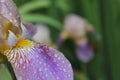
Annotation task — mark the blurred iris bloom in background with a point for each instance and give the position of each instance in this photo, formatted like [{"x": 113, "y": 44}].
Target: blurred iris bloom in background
[{"x": 77, "y": 28}]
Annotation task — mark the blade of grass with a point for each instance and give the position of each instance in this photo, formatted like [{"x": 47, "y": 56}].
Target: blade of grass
[
  {"x": 4, "y": 73},
  {"x": 111, "y": 39},
  {"x": 87, "y": 9},
  {"x": 39, "y": 18},
  {"x": 33, "y": 5},
  {"x": 91, "y": 11}
]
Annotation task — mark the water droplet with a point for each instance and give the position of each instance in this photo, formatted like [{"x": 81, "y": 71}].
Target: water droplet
[
  {"x": 46, "y": 75},
  {"x": 63, "y": 61},
  {"x": 55, "y": 55},
  {"x": 21, "y": 61},
  {"x": 59, "y": 58},
  {"x": 40, "y": 69},
  {"x": 64, "y": 70},
  {"x": 24, "y": 67},
  {"x": 68, "y": 75},
  {"x": 2, "y": 0},
  {"x": 10, "y": 14}
]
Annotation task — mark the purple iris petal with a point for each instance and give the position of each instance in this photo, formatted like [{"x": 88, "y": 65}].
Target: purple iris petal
[
  {"x": 31, "y": 29},
  {"x": 40, "y": 63},
  {"x": 84, "y": 52},
  {"x": 9, "y": 10}
]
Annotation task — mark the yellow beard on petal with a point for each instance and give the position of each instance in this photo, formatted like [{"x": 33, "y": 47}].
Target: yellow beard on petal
[{"x": 24, "y": 43}]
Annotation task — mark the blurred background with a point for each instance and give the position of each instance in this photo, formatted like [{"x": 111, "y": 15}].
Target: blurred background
[{"x": 101, "y": 61}]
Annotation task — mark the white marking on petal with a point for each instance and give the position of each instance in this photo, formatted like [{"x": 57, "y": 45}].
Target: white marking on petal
[
  {"x": 25, "y": 32},
  {"x": 12, "y": 39}
]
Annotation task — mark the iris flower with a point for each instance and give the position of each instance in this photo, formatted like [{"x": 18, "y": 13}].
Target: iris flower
[
  {"x": 30, "y": 60},
  {"x": 76, "y": 28}
]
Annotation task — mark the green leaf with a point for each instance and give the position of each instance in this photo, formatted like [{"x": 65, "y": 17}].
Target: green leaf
[
  {"x": 63, "y": 5},
  {"x": 112, "y": 32},
  {"x": 4, "y": 74},
  {"x": 33, "y": 5},
  {"x": 39, "y": 18}
]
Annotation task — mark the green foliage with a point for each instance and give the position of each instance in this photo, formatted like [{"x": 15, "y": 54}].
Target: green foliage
[
  {"x": 34, "y": 5},
  {"x": 39, "y": 18},
  {"x": 4, "y": 73}
]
